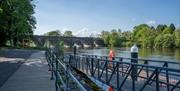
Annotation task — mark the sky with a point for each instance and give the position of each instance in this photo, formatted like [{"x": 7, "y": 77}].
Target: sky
[{"x": 93, "y": 16}]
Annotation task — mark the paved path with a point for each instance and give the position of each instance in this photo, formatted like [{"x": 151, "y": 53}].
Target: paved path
[
  {"x": 11, "y": 60},
  {"x": 33, "y": 75}
]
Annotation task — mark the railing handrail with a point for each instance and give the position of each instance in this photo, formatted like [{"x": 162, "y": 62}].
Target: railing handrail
[
  {"x": 141, "y": 59},
  {"x": 136, "y": 64},
  {"x": 92, "y": 62},
  {"x": 58, "y": 60},
  {"x": 64, "y": 66},
  {"x": 155, "y": 72}
]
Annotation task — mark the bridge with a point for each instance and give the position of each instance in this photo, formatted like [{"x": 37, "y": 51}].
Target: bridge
[
  {"x": 84, "y": 72},
  {"x": 83, "y": 42}
]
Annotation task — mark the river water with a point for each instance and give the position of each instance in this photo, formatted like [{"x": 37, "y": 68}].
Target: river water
[{"x": 157, "y": 54}]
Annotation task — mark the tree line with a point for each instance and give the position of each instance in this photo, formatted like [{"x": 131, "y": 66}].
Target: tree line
[
  {"x": 143, "y": 35},
  {"x": 16, "y": 21},
  {"x": 67, "y": 33}
]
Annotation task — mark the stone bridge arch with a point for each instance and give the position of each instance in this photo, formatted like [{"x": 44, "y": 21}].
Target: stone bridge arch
[{"x": 84, "y": 42}]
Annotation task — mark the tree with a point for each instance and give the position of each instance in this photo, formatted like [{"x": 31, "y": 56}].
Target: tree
[
  {"x": 158, "y": 41},
  {"x": 172, "y": 28},
  {"x": 169, "y": 30},
  {"x": 140, "y": 33},
  {"x": 105, "y": 35},
  {"x": 54, "y": 33},
  {"x": 114, "y": 39},
  {"x": 144, "y": 36},
  {"x": 68, "y": 33},
  {"x": 177, "y": 38},
  {"x": 168, "y": 41},
  {"x": 160, "y": 28},
  {"x": 17, "y": 20}
]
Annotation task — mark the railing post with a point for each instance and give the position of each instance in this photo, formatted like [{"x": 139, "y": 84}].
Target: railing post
[
  {"x": 147, "y": 70},
  {"x": 67, "y": 74},
  {"x": 75, "y": 49},
  {"x": 92, "y": 66},
  {"x": 83, "y": 64},
  {"x": 167, "y": 77},
  {"x": 106, "y": 71},
  {"x": 122, "y": 68},
  {"x": 133, "y": 78},
  {"x": 118, "y": 88},
  {"x": 52, "y": 65},
  {"x": 157, "y": 79},
  {"x": 86, "y": 65},
  {"x": 134, "y": 56},
  {"x": 56, "y": 73},
  {"x": 56, "y": 59},
  {"x": 98, "y": 67}
]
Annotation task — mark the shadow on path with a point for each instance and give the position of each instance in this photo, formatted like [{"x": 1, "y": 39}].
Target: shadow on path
[
  {"x": 10, "y": 62},
  {"x": 7, "y": 68}
]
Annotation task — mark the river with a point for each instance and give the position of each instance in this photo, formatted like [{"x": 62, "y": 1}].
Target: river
[{"x": 157, "y": 54}]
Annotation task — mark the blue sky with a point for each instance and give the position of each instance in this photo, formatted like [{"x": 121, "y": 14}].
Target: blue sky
[{"x": 97, "y": 15}]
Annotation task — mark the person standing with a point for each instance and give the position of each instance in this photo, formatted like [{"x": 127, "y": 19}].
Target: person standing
[{"x": 111, "y": 57}]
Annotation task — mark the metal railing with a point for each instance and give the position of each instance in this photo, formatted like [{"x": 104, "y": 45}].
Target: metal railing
[
  {"x": 154, "y": 62},
  {"x": 119, "y": 73},
  {"x": 60, "y": 71},
  {"x": 122, "y": 76}
]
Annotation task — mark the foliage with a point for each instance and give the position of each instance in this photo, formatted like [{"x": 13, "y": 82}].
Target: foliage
[
  {"x": 160, "y": 28},
  {"x": 113, "y": 38},
  {"x": 54, "y": 33},
  {"x": 158, "y": 41},
  {"x": 168, "y": 41},
  {"x": 17, "y": 20},
  {"x": 68, "y": 33},
  {"x": 162, "y": 36},
  {"x": 105, "y": 35},
  {"x": 61, "y": 48},
  {"x": 177, "y": 38}
]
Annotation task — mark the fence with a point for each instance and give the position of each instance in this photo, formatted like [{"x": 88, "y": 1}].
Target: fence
[{"x": 120, "y": 73}]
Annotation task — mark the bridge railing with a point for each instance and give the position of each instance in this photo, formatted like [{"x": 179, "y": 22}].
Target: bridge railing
[{"x": 121, "y": 74}]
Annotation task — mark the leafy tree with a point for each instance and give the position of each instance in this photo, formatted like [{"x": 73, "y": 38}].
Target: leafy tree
[
  {"x": 68, "y": 33},
  {"x": 17, "y": 20},
  {"x": 158, "y": 41},
  {"x": 160, "y": 28},
  {"x": 145, "y": 36},
  {"x": 53, "y": 33},
  {"x": 169, "y": 30},
  {"x": 168, "y": 41},
  {"x": 114, "y": 39},
  {"x": 141, "y": 35},
  {"x": 172, "y": 28},
  {"x": 177, "y": 37},
  {"x": 105, "y": 35}
]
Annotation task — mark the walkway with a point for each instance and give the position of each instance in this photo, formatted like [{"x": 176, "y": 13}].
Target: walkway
[{"x": 33, "y": 75}]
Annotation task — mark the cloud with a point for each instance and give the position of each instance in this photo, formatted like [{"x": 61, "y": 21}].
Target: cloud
[
  {"x": 85, "y": 32},
  {"x": 65, "y": 29},
  {"x": 151, "y": 22}
]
